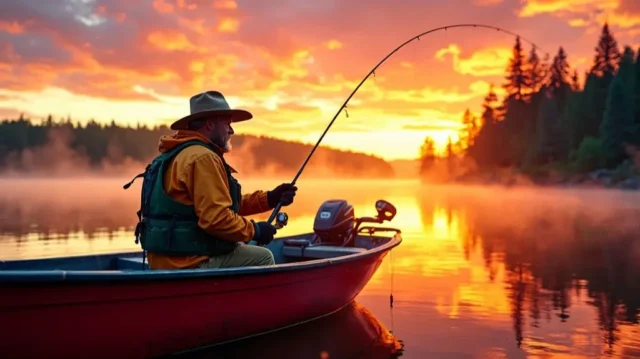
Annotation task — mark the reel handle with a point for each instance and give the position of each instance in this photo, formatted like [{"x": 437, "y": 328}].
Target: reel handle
[
  {"x": 281, "y": 220},
  {"x": 275, "y": 212}
]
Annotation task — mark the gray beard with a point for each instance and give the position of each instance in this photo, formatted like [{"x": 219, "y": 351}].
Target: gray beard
[{"x": 227, "y": 146}]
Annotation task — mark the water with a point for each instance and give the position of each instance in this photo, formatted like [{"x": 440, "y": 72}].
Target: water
[{"x": 481, "y": 273}]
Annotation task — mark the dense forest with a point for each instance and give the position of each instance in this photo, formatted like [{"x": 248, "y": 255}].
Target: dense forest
[
  {"x": 64, "y": 147},
  {"x": 550, "y": 127}
]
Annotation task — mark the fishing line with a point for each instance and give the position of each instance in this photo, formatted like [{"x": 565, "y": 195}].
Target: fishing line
[{"x": 276, "y": 210}]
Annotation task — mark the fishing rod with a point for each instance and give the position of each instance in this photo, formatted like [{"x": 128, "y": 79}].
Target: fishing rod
[{"x": 276, "y": 210}]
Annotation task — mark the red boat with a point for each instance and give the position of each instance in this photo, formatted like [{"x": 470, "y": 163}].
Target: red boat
[{"x": 113, "y": 306}]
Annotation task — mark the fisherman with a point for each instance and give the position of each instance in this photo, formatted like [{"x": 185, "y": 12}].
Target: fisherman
[{"x": 193, "y": 213}]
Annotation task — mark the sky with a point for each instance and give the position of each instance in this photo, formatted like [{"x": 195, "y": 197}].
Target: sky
[{"x": 292, "y": 63}]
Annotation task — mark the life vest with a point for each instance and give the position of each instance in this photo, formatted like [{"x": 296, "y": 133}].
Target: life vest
[{"x": 166, "y": 226}]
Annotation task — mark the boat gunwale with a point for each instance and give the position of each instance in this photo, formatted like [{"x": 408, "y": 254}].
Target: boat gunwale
[{"x": 125, "y": 275}]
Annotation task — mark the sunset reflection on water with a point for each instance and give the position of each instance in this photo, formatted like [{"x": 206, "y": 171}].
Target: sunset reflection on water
[{"x": 482, "y": 273}]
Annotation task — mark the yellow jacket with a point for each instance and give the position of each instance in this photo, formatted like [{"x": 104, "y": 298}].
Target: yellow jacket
[{"x": 197, "y": 177}]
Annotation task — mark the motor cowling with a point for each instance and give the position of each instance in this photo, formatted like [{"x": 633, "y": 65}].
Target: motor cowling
[{"x": 334, "y": 222}]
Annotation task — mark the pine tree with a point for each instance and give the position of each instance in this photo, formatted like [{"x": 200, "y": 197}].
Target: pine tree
[
  {"x": 627, "y": 68},
  {"x": 560, "y": 75},
  {"x": 470, "y": 128},
  {"x": 488, "y": 107},
  {"x": 485, "y": 145},
  {"x": 591, "y": 106},
  {"x": 450, "y": 158},
  {"x": 536, "y": 72},
  {"x": 607, "y": 54},
  {"x": 427, "y": 155},
  {"x": 572, "y": 127},
  {"x": 545, "y": 68},
  {"x": 518, "y": 118},
  {"x": 597, "y": 84},
  {"x": 575, "y": 81},
  {"x": 638, "y": 70},
  {"x": 637, "y": 98},
  {"x": 618, "y": 126},
  {"x": 517, "y": 77},
  {"x": 548, "y": 139}
]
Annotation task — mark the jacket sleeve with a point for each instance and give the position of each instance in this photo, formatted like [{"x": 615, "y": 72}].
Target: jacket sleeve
[
  {"x": 254, "y": 203},
  {"x": 210, "y": 192}
]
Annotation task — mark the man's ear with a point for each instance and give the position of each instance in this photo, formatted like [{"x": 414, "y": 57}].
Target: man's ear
[{"x": 210, "y": 125}]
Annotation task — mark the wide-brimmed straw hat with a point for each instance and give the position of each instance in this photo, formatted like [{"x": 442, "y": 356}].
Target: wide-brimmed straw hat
[{"x": 210, "y": 103}]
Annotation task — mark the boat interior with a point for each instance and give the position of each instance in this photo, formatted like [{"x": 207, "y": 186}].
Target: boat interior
[{"x": 336, "y": 233}]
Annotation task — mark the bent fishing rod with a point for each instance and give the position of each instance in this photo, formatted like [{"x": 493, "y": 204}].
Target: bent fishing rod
[{"x": 276, "y": 210}]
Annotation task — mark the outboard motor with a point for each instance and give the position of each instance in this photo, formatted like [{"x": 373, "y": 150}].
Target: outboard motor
[{"x": 334, "y": 223}]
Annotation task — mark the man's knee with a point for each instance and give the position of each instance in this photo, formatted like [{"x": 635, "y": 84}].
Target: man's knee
[
  {"x": 243, "y": 256},
  {"x": 255, "y": 255},
  {"x": 264, "y": 256}
]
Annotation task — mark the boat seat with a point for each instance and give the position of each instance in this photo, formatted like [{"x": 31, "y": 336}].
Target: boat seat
[
  {"x": 319, "y": 251},
  {"x": 131, "y": 263}
]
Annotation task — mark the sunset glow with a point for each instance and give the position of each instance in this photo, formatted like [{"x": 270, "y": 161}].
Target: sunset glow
[{"x": 291, "y": 63}]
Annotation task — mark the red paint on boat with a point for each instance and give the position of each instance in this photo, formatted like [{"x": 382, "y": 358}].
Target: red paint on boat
[{"x": 147, "y": 318}]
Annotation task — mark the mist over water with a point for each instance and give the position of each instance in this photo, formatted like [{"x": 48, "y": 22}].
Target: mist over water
[
  {"x": 482, "y": 271},
  {"x": 114, "y": 152}
]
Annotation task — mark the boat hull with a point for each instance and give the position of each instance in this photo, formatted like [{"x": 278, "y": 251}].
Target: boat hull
[{"x": 144, "y": 318}]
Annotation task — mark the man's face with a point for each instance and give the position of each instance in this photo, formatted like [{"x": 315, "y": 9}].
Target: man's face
[{"x": 221, "y": 132}]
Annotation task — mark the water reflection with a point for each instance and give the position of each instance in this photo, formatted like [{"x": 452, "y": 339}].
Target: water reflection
[
  {"x": 480, "y": 273},
  {"x": 559, "y": 268},
  {"x": 353, "y": 332},
  {"x": 556, "y": 256}
]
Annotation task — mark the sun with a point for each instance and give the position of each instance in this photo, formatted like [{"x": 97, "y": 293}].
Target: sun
[{"x": 441, "y": 139}]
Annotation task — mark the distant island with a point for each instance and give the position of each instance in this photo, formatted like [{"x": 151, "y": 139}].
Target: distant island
[
  {"x": 64, "y": 148},
  {"x": 551, "y": 129}
]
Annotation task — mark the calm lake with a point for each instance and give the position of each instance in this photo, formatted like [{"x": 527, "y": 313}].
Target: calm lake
[{"x": 481, "y": 272}]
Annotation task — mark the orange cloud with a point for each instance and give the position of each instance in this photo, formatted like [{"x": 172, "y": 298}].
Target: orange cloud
[
  {"x": 198, "y": 26},
  {"x": 537, "y": 7},
  {"x": 225, "y": 4},
  {"x": 622, "y": 20},
  {"x": 334, "y": 45},
  {"x": 578, "y": 22},
  {"x": 484, "y": 62},
  {"x": 592, "y": 13},
  {"x": 171, "y": 41},
  {"x": 209, "y": 72},
  {"x": 487, "y": 2},
  {"x": 229, "y": 25},
  {"x": 12, "y": 27},
  {"x": 163, "y": 7},
  {"x": 481, "y": 89}
]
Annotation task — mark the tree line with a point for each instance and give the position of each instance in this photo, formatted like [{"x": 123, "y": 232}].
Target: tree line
[
  {"x": 549, "y": 122},
  {"x": 23, "y": 142}
]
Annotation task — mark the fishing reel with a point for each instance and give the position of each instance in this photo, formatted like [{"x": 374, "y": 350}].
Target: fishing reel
[{"x": 281, "y": 220}]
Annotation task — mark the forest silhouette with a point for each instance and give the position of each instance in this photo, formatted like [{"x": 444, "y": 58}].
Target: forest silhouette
[
  {"x": 549, "y": 127},
  {"x": 65, "y": 148}
]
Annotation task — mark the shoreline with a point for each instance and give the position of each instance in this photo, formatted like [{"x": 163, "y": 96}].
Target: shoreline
[{"x": 599, "y": 179}]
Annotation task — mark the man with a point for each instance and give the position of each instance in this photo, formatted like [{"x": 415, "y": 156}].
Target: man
[{"x": 193, "y": 211}]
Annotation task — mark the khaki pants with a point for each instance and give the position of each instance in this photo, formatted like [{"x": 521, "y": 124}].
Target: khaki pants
[{"x": 243, "y": 256}]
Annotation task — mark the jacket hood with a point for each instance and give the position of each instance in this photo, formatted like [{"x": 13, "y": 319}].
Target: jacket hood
[{"x": 167, "y": 142}]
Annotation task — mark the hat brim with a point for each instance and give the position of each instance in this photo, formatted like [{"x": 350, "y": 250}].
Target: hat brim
[{"x": 236, "y": 116}]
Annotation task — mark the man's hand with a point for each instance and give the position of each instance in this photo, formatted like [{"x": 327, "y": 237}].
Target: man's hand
[
  {"x": 283, "y": 193},
  {"x": 264, "y": 233}
]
